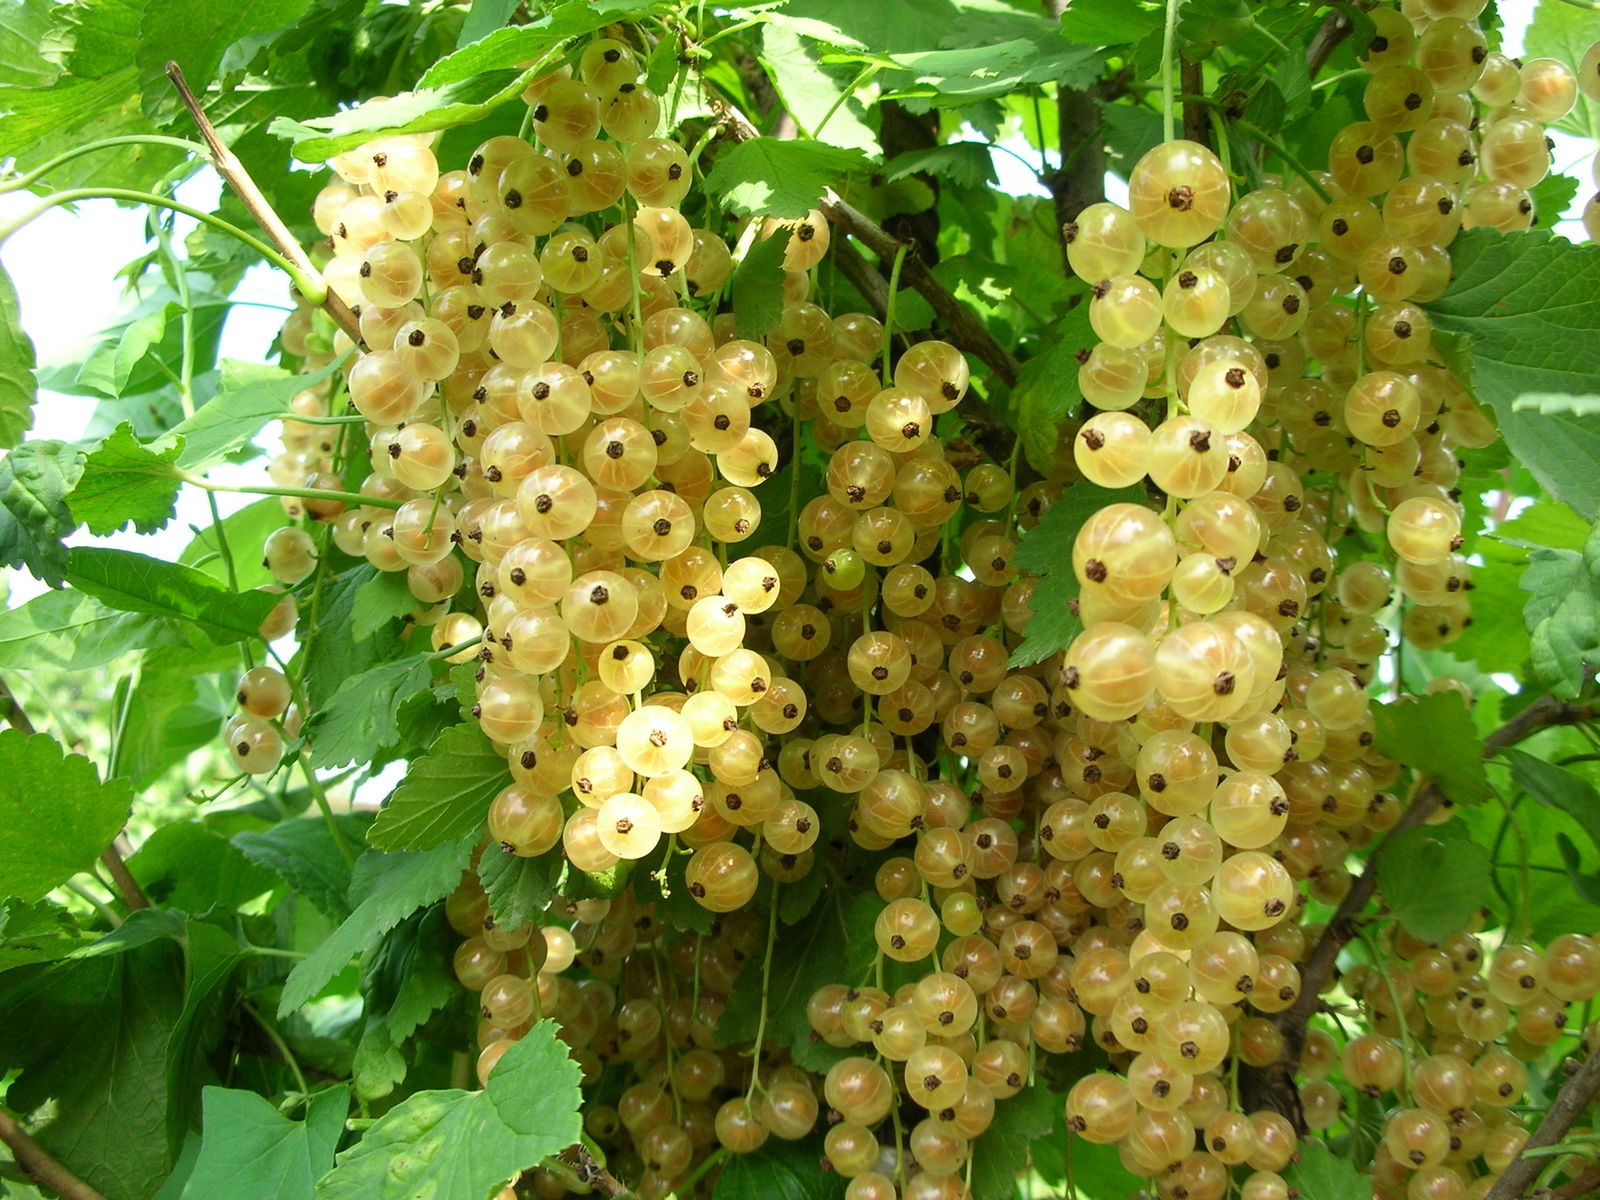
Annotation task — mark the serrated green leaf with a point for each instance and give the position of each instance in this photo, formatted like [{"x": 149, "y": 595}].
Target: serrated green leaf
[
  {"x": 1319, "y": 1174},
  {"x": 72, "y": 631},
  {"x": 361, "y": 716},
  {"x": 953, "y": 78},
  {"x": 1563, "y": 614},
  {"x": 965, "y": 164},
  {"x": 112, "y": 1039},
  {"x": 192, "y": 867},
  {"x": 757, "y": 288},
  {"x": 407, "y": 978},
  {"x": 34, "y": 518},
  {"x": 1411, "y": 869},
  {"x": 1557, "y": 787},
  {"x": 1434, "y": 736},
  {"x": 483, "y": 18},
  {"x": 197, "y": 33},
  {"x": 820, "y": 96},
  {"x": 124, "y": 480},
  {"x": 18, "y": 386},
  {"x": 458, "y": 1144},
  {"x": 1107, "y": 22},
  {"x": 1555, "y": 402},
  {"x": 391, "y": 887},
  {"x": 518, "y": 888},
  {"x": 1530, "y": 303},
  {"x": 1547, "y": 524},
  {"x": 778, "y": 1171},
  {"x": 503, "y": 49},
  {"x": 1551, "y": 197},
  {"x": 772, "y": 178},
  {"x": 248, "y": 397},
  {"x": 378, "y": 601},
  {"x": 1047, "y": 389},
  {"x": 251, "y": 1151},
  {"x": 425, "y": 110},
  {"x": 57, "y": 814},
  {"x": 137, "y": 583},
  {"x": 304, "y": 855},
  {"x": 445, "y": 794},
  {"x": 1002, "y": 1152}
]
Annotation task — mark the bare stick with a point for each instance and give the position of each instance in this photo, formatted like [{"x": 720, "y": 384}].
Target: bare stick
[
  {"x": 232, "y": 170},
  {"x": 1196, "y": 120},
  {"x": 1334, "y": 30},
  {"x": 40, "y": 1165},
  {"x": 1570, "y": 1103},
  {"x": 132, "y": 894},
  {"x": 1273, "y": 1086}
]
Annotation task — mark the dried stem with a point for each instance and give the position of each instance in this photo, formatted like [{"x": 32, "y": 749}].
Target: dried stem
[
  {"x": 40, "y": 1165},
  {"x": 1335, "y": 28},
  {"x": 1273, "y": 1086},
  {"x": 132, "y": 894},
  {"x": 1196, "y": 120},
  {"x": 232, "y": 170},
  {"x": 1570, "y": 1103}
]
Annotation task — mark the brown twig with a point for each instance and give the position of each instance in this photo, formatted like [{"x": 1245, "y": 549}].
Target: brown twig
[
  {"x": 962, "y": 328},
  {"x": 132, "y": 894},
  {"x": 1196, "y": 117},
  {"x": 1273, "y": 1086},
  {"x": 1574, "y": 1098},
  {"x": 1080, "y": 180},
  {"x": 40, "y": 1166},
  {"x": 232, "y": 170},
  {"x": 1335, "y": 28}
]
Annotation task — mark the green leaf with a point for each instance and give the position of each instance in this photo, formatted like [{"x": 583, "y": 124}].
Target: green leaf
[
  {"x": 1107, "y": 22},
  {"x": 379, "y": 601},
  {"x": 196, "y": 33},
  {"x": 140, "y": 584},
  {"x": 757, "y": 288},
  {"x": 251, "y": 1151},
  {"x": 112, "y": 1037},
  {"x": 304, "y": 855},
  {"x": 250, "y": 526},
  {"x": 192, "y": 867},
  {"x": 1551, "y": 197},
  {"x": 778, "y": 1171},
  {"x": 483, "y": 18},
  {"x": 1434, "y": 736},
  {"x": 1047, "y": 390},
  {"x": 519, "y": 889},
  {"x": 507, "y": 48},
  {"x": 408, "y": 977},
  {"x": 1002, "y": 1151},
  {"x": 1206, "y": 25},
  {"x": 422, "y": 111},
  {"x": 73, "y": 631},
  {"x": 175, "y": 708},
  {"x": 34, "y": 481},
  {"x": 769, "y": 177},
  {"x": 18, "y": 386},
  {"x": 965, "y": 164},
  {"x": 1530, "y": 303},
  {"x": 125, "y": 480},
  {"x": 1559, "y": 788},
  {"x": 460, "y": 1145},
  {"x": 361, "y": 716},
  {"x": 1319, "y": 1174},
  {"x": 35, "y": 933},
  {"x": 951, "y": 78},
  {"x": 445, "y": 794},
  {"x": 1046, "y": 551},
  {"x": 1563, "y": 614},
  {"x": 1547, "y": 524},
  {"x": 57, "y": 814},
  {"x": 333, "y": 652},
  {"x": 1565, "y": 31},
  {"x": 1410, "y": 871},
  {"x": 819, "y": 96},
  {"x": 248, "y": 397},
  {"x": 24, "y": 28},
  {"x": 395, "y": 886}
]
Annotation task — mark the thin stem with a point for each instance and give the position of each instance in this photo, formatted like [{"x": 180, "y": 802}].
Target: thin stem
[
  {"x": 311, "y": 286},
  {"x": 856, "y": 85},
  {"x": 299, "y": 265},
  {"x": 180, "y": 283},
  {"x": 1278, "y": 148},
  {"x": 40, "y": 1165},
  {"x": 66, "y": 156},
  {"x": 888, "y": 313},
  {"x": 1169, "y": 39},
  {"x": 707, "y": 1164},
  {"x": 282, "y": 1048},
  {"x": 201, "y": 481},
  {"x": 766, "y": 992},
  {"x": 99, "y": 905},
  {"x": 127, "y": 886},
  {"x": 320, "y": 795}
]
